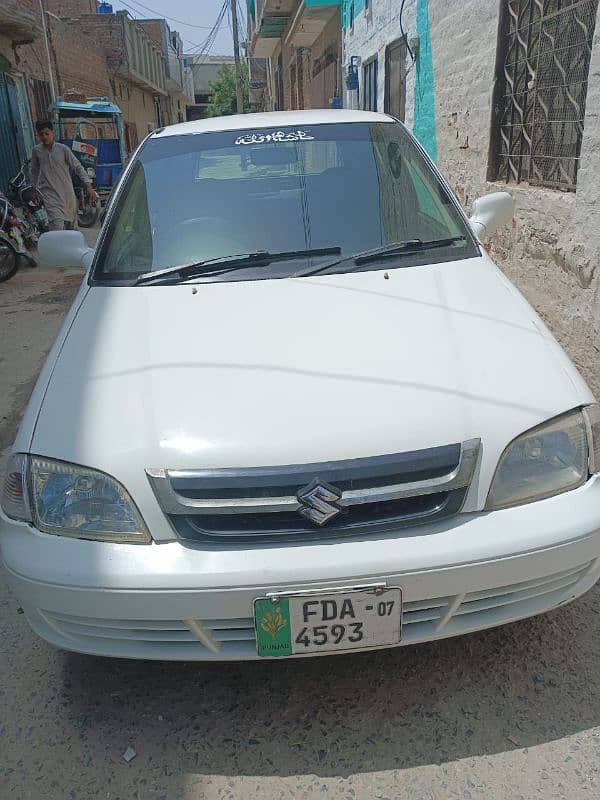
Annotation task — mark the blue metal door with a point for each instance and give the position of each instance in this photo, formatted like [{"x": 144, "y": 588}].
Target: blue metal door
[{"x": 11, "y": 140}]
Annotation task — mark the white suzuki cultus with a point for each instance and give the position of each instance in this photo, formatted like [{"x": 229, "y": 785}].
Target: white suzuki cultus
[{"x": 295, "y": 409}]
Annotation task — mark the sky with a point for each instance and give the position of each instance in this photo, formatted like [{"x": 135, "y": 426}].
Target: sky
[{"x": 200, "y": 15}]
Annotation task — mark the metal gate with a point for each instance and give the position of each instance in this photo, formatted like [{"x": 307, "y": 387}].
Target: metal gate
[{"x": 542, "y": 67}]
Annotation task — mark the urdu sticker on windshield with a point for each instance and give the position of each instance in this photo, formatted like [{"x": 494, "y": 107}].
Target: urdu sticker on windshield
[{"x": 274, "y": 136}]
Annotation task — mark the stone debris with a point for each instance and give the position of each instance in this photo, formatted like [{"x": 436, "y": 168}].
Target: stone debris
[{"x": 129, "y": 754}]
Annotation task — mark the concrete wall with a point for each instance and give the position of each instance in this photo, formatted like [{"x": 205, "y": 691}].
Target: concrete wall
[{"x": 556, "y": 239}]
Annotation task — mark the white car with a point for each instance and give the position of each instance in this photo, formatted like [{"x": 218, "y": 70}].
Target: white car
[{"x": 295, "y": 409}]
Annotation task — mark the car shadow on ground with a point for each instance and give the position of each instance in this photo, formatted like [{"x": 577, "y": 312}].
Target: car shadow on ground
[{"x": 494, "y": 691}]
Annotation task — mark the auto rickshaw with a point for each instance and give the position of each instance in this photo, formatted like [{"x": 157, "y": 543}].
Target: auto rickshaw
[{"x": 93, "y": 128}]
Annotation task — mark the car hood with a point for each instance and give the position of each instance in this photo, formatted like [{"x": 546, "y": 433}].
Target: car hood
[{"x": 272, "y": 372}]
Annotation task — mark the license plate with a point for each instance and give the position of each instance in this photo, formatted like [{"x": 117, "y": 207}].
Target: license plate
[{"x": 335, "y": 621}]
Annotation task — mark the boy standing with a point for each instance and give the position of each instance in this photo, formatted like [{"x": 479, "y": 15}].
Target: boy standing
[{"x": 51, "y": 167}]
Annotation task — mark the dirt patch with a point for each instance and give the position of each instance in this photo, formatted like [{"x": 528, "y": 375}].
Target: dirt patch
[
  {"x": 60, "y": 294},
  {"x": 9, "y": 423}
]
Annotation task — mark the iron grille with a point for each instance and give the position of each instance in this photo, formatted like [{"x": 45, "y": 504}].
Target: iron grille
[{"x": 542, "y": 68}]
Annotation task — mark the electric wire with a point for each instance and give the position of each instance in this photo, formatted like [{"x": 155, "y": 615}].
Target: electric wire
[{"x": 161, "y": 15}]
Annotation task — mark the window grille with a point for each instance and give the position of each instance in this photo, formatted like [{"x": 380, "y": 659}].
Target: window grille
[{"x": 542, "y": 66}]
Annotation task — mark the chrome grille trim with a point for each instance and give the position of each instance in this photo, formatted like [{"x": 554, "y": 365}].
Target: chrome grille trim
[{"x": 172, "y": 502}]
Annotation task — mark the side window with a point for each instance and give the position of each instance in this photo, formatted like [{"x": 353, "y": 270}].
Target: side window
[
  {"x": 425, "y": 200},
  {"x": 130, "y": 237},
  {"x": 413, "y": 203}
]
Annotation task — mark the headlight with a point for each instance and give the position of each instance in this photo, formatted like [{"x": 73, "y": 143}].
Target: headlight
[
  {"x": 68, "y": 500},
  {"x": 552, "y": 458}
]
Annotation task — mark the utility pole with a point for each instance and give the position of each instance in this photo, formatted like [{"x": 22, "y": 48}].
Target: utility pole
[
  {"x": 236, "y": 53},
  {"x": 45, "y": 30}
]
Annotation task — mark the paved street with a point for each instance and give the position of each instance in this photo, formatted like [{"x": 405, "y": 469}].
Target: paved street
[{"x": 509, "y": 713}]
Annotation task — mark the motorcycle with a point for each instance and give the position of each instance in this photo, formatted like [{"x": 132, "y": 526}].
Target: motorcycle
[
  {"x": 87, "y": 212},
  {"x": 23, "y": 195},
  {"x": 12, "y": 242}
]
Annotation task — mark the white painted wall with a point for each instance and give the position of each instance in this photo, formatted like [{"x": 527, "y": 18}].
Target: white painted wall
[{"x": 374, "y": 28}]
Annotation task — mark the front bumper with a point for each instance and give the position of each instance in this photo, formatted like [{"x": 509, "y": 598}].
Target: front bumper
[{"x": 174, "y": 602}]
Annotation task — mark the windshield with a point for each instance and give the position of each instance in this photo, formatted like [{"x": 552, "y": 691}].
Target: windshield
[{"x": 352, "y": 186}]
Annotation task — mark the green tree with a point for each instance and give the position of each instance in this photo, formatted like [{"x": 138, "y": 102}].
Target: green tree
[{"x": 223, "y": 100}]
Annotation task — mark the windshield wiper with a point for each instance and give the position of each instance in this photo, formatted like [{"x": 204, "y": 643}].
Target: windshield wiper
[
  {"x": 227, "y": 263},
  {"x": 387, "y": 251}
]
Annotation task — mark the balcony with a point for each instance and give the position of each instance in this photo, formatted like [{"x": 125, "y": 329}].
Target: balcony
[
  {"x": 310, "y": 21},
  {"x": 271, "y": 18},
  {"x": 305, "y": 20}
]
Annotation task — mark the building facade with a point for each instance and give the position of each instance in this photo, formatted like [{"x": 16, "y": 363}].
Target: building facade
[
  {"x": 138, "y": 70},
  {"x": 179, "y": 81},
  {"x": 303, "y": 44},
  {"x": 204, "y": 70}
]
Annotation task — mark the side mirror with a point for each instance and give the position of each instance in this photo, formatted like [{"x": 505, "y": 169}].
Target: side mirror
[
  {"x": 65, "y": 249},
  {"x": 491, "y": 212}
]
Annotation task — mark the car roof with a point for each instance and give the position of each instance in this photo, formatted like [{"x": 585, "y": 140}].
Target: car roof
[{"x": 271, "y": 119}]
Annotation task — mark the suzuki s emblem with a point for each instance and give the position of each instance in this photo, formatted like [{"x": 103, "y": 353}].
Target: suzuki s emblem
[{"x": 319, "y": 502}]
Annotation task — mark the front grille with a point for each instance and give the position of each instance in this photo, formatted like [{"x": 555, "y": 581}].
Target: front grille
[
  {"x": 368, "y": 496},
  {"x": 365, "y": 518},
  {"x": 422, "y": 620}
]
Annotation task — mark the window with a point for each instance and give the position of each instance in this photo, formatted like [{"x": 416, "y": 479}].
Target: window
[
  {"x": 395, "y": 79},
  {"x": 542, "y": 68},
  {"x": 244, "y": 191},
  {"x": 369, "y": 87},
  {"x": 351, "y": 14}
]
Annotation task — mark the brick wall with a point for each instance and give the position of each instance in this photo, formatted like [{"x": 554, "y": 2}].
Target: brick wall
[
  {"x": 82, "y": 64},
  {"x": 78, "y": 61},
  {"x": 153, "y": 28},
  {"x": 106, "y": 30},
  {"x": 70, "y": 8}
]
